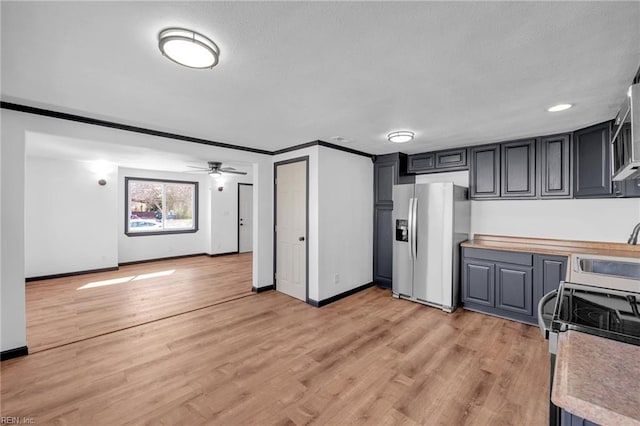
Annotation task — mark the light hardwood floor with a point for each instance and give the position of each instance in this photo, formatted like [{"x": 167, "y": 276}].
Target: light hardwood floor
[
  {"x": 64, "y": 310},
  {"x": 270, "y": 359}
]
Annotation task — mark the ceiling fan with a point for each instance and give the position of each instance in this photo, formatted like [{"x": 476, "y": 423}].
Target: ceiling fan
[{"x": 215, "y": 169}]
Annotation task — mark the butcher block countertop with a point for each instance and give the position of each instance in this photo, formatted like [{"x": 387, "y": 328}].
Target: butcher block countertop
[
  {"x": 552, "y": 246},
  {"x": 597, "y": 379}
]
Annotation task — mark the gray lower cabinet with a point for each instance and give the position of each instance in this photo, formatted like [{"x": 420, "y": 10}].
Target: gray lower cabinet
[
  {"x": 479, "y": 279},
  {"x": 514, "y": 289},
  {"x": 509, "y": 284},
  {"x": 568, "y": 419}
]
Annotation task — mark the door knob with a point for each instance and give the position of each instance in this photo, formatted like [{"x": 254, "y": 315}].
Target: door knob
[{"x": 300, "y": 238}]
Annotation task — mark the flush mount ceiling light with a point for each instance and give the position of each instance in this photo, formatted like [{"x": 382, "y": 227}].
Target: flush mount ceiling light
[
  {"x": 188, "y": 48},
  {"x": 559, "y": 107},
  {"x": 400, "y": 137}
]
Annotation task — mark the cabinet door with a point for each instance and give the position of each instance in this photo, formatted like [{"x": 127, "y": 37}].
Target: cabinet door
[
  {"x": 383, "y": 182},
  {"x": 383, "y": 246},
  {"x": 592, "y": 162},
  {"x": 551, "y": 270},
  {"x": 514, "y": 289},
  {"x": 555, "y": 166},
  {"x": 454, "y": 159},
  {"x": 419, "y": 163},
  {"x": 478, "y": 282},
  {"x": 519, "y": 169},
  {"x": 484, "y": 177}
]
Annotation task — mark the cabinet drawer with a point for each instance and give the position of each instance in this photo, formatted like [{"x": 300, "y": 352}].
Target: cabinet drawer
[
  {"x": 516, "y": 258},
  {"x": 421, "y": 162}
]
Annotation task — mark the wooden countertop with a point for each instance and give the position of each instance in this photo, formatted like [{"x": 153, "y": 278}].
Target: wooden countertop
[
  {"x": 597, "y": 379},
  {"x": 552, "y": 246}
]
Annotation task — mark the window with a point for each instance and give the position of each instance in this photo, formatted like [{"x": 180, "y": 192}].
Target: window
[{"x": 160, "y": 206}]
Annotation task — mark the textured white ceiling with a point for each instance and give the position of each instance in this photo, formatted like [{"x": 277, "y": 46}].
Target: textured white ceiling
[{"x": 456, "y": 73}]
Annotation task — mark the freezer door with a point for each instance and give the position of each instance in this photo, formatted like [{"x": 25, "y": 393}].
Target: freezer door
[
  {"x": 434, "y": 227},
  {"x": 402, "y": 263}
]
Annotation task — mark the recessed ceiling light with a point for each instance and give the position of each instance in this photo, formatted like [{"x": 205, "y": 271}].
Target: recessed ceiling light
[
  {"x": 400, "y": 137},
  {"x": 188, "y": 48},
  {"x": 559, "y": 107}
]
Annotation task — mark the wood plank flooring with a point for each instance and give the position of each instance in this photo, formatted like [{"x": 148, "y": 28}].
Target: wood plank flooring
[
  {"x": 64, "y": 310},
  {"x": 269, "y": 359}
]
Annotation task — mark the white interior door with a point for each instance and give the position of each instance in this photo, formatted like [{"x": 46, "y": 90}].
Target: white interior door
[
  {"x": 245, "y": 218},
  {"x": 291, "y": 229}
]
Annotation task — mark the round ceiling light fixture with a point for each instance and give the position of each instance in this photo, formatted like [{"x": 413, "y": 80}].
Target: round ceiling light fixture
[
  {"x": 188, "y": 48},
  {"x": 401, "y": 136},
  {"x": 559, "y": 107}
]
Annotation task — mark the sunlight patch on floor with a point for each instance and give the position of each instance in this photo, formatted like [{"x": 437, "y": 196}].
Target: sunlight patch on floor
[{"x": 123, "y": 280}]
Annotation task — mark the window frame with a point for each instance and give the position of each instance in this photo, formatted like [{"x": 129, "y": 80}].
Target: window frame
[{"x": 127, "y": 207}]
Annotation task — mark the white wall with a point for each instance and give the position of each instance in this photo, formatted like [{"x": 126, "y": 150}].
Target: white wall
[
  {"x": 593, "y": 220},
  {"x": 224, "y": 214},
  {"x": 70, "y": 220},
  {"x": 340, "y": 220},
  {"x": 131, "y": 249},
  {"x": 345, "y": 221},
  {"x": 16, "y": 127},
  {"x": 12, "y": 300}
]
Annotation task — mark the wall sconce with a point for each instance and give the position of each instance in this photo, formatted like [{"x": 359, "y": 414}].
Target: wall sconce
[
  {"x": 220, "y": 188},
  {"x": 102, "y": 182}
]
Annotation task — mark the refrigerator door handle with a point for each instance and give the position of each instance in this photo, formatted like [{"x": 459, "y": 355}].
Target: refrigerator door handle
[
  {"x": 414, "y": 229},
  {"x": 410, "y": 229}
]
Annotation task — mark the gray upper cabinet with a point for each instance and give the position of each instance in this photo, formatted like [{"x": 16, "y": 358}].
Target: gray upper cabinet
[
  {"x": 592, "y": 162},
  {"x": 555, "y": 166},
  {"x": 420, "y": 163},
  {"x": 440, "y": 161},
  {"x": 484, "y": 171},
  {"x": 518, "y": 177},
  {"x": 453, "y": 159}
]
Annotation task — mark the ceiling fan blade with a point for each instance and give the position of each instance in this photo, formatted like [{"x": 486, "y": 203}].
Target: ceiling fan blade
[
  {"x": 231, "y": 172},
  {"x": 199, "y": 168},
  {"x": 226, "y": 169}
]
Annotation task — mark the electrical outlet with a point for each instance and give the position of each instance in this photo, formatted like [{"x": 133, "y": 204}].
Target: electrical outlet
[{"x": 336, "y": 279}]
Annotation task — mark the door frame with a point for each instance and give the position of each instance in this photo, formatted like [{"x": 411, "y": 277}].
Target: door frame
[
  {"x": 304, "y": 158},
  {"x": 238, "y": 219}
]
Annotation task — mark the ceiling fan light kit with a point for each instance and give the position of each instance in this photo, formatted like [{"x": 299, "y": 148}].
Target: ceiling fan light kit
[{"x": 188, "y": 48}]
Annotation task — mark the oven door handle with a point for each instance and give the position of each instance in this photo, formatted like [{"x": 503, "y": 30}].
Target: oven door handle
[{"x": 545, "y": 299}]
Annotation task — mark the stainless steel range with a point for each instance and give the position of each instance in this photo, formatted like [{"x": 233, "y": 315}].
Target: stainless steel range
[{"x": 600, "y": 297}]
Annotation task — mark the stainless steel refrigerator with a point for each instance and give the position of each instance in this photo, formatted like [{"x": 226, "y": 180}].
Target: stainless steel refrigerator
[{"x": 430, "y": 221}]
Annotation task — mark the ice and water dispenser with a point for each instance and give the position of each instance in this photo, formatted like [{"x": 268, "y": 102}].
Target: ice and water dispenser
[{"x": 402, "y": 230}]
